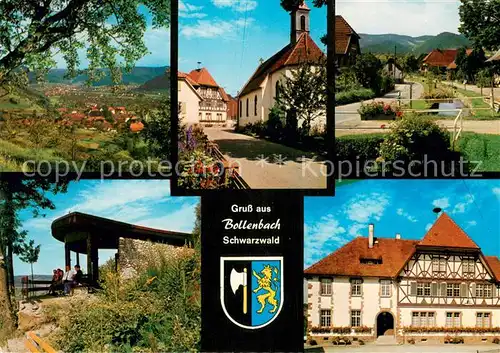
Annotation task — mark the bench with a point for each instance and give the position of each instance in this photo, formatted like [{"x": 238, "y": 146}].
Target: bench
[
  {"x": 35, "y": 344},
  {"x": 33, "y": 286}
]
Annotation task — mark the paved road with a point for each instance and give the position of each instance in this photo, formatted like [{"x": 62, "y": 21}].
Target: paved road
[
  {"x": 284, "y": 168},
  {"x": 444, "y": 348},
  {"x": 341, "y": 112},
  {"x": 371, "y": 126}
]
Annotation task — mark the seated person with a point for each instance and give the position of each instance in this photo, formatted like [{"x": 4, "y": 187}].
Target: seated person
[
  {"x": 55, "y": 277},
  {"x": 78, "y": 276},
  {"x": 67, "y": 279}
]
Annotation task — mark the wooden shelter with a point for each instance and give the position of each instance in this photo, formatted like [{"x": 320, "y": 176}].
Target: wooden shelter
[{"x": 86, "y": 234}]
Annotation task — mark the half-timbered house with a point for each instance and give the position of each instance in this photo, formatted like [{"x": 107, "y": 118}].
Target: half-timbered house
[{"x": 379, "y": 286}]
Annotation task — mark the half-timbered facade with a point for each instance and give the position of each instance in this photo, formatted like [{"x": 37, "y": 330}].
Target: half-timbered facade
[{"x": 383, "y": 286}]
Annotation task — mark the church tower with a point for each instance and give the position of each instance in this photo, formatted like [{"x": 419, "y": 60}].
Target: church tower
[{"x": 300, "y": 22}]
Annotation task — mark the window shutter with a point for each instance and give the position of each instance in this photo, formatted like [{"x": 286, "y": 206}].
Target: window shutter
[
  {"x": 443, "y": 289},
  {"x": 434, "y": 289},
  {"x": 473, "y": 289},
  {"x": 413, "y": 288},
  {"x": 464, "y": 290}
]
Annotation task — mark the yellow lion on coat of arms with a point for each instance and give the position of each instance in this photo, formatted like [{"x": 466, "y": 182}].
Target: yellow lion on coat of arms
[{"x": 266, "y": 282}]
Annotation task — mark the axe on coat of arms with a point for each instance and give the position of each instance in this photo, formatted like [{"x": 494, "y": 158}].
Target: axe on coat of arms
[{"x": 238, "y": 279}]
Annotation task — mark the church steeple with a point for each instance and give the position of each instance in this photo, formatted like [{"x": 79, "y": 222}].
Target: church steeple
[{"x": 300, "y": 22}]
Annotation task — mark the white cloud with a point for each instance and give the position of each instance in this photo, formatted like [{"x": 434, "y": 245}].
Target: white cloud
[
  {"x": 428, "y": 226},
  {"x": 411, "y": 17},
  {"x": 187, "y": 10},
  {"x": 405, "y": 214},
  {"x": 441, "y": 203},
  {"x": 462, "y": 206},
  {"x": 354, "y": 230},
  {"x": 236, "y": 5},
  {"x": 328, "y": 229},
  {"x": 214, "y": 28},
  {"x": 472, "y": 223},
  {"x": 496, "y": 191},
  {"x": 182, "y": 220},
  {"x": 366, "y": 207}
]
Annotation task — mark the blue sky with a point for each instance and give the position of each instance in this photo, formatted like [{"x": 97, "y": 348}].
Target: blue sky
[
  {"x": 230, "y": 36},
  {"x": 408, "y": 17},
  {"x": 156, "y": 40},
  {"x": 142, "y": 202},
  {"x": 401, "y": 206}
]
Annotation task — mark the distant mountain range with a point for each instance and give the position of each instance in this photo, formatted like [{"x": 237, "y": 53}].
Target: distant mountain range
[
  {"x": 158, "y": 83},
  {"x": 137, "y": 76},
  {"x": 384, "y": 43}
]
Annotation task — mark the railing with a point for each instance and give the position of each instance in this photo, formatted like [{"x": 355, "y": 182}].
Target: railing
[
  {"x": 456, "y": 134},
  {"x": 230, "y": 169}
]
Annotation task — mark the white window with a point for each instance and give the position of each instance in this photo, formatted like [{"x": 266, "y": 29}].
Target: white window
[
  {"x": 453, "y": 319},
  {"x": 453, "y": 290},
  {"x": 355, "y": 318},
  {"x": 483, "y": 290},
  {"x": 356, "y": 287},
  {"x": 326, "y": 318},
  {"x": 483, "y": 320},
  {"x": 423, "y": 289},
  {"x": 438, "y": 264},
  {"x": 385, "y": 288},
  {"x": 326, "y": 286},
  {"x": 423, "y": 319},
  {"x": 468, "y": 266}
]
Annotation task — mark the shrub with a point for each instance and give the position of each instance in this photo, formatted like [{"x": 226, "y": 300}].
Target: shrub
[
  {"x": 379, "y": 110},
  {"x": 387, "y": 83},
  {"x": 354, "y": 95},
  {"x": 159, "y": 310},
  {"x": 363, "y": 147},
  {"x": 362, "y": 329},
  {"x": 412, "y": 138},
  {"x": 496, "y": 340},
  {"x": 313, "y": 342},
  {"x": 13, "y": 100},
  {"x": 411, "y": 341}
]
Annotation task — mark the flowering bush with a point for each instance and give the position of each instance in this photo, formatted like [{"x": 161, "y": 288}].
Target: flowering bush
[
  {"x": 362, "y": 329},
  {"x": 412, "y": 329},
  {"x": 379, "y": 110},
  {"x": 197, "y": 168}
]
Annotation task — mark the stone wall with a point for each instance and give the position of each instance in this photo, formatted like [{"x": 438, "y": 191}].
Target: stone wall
[{"x": 137, "y": 255}]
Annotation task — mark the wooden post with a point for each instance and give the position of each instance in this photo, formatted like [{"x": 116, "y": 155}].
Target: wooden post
[
  {"x": 78, "y": 258},
  {"x": 492, "y": 93},
  {"x": 67, "y": 254},
  {"x": 89, "y": 258},
  {"x": 411, "y": 95},
  {"x": 95, "y": 262}
]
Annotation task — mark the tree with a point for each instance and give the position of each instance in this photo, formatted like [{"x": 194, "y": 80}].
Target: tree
[
  {"x": 410, "y": 63},
  {"x": 290, "y": 5},
  {"x": 469, "y": 65},
  {"x": 17, "y": 194},
  {"x": 483, "y": 79},
  {"x": 303, "y": 94},
  {"x": 367, "y": 70},
  {"x": 480, "y": 22},
  {"x": 30, "y": 254},
  {"x": 157, "y": 131},
  {"x": 111, "y": 31}
]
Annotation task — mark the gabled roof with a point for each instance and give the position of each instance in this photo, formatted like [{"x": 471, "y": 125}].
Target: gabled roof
[
  {"x": 494, "y": 263},
  {"x": 446, "y": 233},
  {"x": 343, "y": 34},
  {"x": 441, "y": 58},
  {"x": 202, "y": 77},
  {"x": 394, "y": 253},
  {"x": 304, "y": 50},
  {"x": 495, "y": 57},
  {"x": 191, "y": 84}
]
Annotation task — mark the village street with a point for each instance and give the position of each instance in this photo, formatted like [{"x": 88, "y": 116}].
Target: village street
[
  {"x": 347, "y": 114},
  {"x": 268, "y": 165},
  {"x": 349, "y": 124},
  {"x": 474, "y": 88}
]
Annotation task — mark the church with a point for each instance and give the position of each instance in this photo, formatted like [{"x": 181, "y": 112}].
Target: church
[
  {"x": 259, "y": 93},
  {"x": 380, "y": 288}
]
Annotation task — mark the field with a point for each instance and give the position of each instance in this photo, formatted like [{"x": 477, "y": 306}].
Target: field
[{"x": 55, "y": 122}]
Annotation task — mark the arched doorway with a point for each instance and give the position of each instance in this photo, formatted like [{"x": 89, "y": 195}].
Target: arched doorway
[{"x": 385, "y": 324}]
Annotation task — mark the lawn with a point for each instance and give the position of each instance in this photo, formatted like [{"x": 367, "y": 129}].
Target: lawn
[{"x": 481, "y": 148}]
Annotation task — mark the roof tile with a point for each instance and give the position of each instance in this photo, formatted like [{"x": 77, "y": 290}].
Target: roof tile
[
  {"x": 445, "y": 232},
  {"x": 494, "y": 263}
]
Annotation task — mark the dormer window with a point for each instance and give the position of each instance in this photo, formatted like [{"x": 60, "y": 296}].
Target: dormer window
[
  {"x": 369, "y": 261},
  {"x": 468, "y": 266}
]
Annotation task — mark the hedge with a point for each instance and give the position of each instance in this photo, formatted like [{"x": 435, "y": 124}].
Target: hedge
[
  {"x": 354, "y": 96},
  {"x": 363, "y": 147}
]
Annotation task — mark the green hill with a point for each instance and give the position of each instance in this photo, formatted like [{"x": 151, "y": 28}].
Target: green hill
[
  {"x": 159, "y": 83},
  {"x": 137, "y": 76},
  {"x": 385, "y": 43}
]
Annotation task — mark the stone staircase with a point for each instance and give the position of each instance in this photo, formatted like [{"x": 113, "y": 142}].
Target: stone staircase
[{"x": 386, "y": 340}]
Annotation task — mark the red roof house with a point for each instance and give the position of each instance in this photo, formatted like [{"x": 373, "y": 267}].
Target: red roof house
[
  {"x": 356, "y": 258},
  {"x": 443, "y": 58}
]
